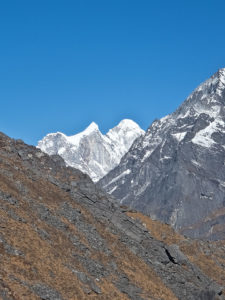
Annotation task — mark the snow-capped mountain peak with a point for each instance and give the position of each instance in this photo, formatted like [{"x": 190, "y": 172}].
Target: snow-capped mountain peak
[
  {"x": 222, "y": 74},
  {"x": 126, "y": 128},
  {"x": 207, "y": 98},
  {"x": 92, "y": 127},
  {"x": 91, "y": 151},
  {"x": 127, "y": 123},
  {"x": 176, "y": 171}
]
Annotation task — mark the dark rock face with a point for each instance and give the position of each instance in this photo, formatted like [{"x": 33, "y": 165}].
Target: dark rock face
[
  {"x": 70, "y": 240},
  {"x": 176, "y": 172}
]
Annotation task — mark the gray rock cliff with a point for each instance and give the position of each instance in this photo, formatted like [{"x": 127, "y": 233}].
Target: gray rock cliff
[{"x": 176, "y": 171}]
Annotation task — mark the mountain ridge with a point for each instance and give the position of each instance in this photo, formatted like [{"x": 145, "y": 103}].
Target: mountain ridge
[
  {"x": 175, "y": 172},
  {"x": 91, "y": 151}
]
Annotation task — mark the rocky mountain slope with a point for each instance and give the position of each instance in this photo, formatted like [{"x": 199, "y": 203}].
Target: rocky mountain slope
[
  {"x": 90, "y": 151},
  {"x": 176, "y": 171},
  {"x": 61, "y": 237}
]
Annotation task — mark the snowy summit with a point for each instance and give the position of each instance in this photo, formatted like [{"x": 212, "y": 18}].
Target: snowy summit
[
  {"x": 90, "y": 151},
  {"x": 176, "y": 172}
]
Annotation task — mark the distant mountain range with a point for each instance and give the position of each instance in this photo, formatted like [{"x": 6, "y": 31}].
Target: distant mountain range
[
  {"x": 90, "y": 151},
  {"x": 176, "y": 171}
]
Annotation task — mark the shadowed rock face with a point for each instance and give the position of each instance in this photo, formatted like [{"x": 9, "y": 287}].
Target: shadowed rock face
[
  {"x": 61, "y": 237},
  {"x": 176, "y": 172}
]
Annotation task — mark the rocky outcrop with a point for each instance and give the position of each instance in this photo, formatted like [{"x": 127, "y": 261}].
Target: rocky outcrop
[
  {"x": 176, "y": 172},
  {"x": 61, "y": 237}
]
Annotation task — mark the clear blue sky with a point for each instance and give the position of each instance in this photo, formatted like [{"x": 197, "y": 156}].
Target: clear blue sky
[{"x": 66, "y": 63}]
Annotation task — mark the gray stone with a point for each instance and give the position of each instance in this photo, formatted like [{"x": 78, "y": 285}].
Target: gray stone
[
  {"x": 177, "y": 256},
  {"x": 126, "y": 287},
  {"x": 86, "y": 280},
  {"x": 45, "y": 292}
]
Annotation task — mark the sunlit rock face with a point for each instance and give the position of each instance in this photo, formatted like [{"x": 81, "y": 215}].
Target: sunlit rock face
[
  {"x": 90, "y": 151},
  {"x": 176, "y": 171}
]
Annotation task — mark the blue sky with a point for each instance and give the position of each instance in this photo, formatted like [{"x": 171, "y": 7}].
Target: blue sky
[{"x": 64, "y": 64}]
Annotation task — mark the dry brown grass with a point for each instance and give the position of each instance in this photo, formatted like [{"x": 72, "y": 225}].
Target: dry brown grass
[
  {"x": 45, "y": 261},
  {"x": 158, "y": 230},
  {"x": 191, "y": 248},
  {"x": 138, "y": 272}
]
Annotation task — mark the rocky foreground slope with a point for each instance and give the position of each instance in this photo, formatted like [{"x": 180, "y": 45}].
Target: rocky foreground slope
[
  {"x": 61, "y": 237},
  {"x": 91, "y": 151},
  {"x": 176, "y": 171}
]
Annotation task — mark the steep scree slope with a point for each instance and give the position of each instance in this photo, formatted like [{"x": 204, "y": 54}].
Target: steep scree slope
[{"x": 63, "y": 238}]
